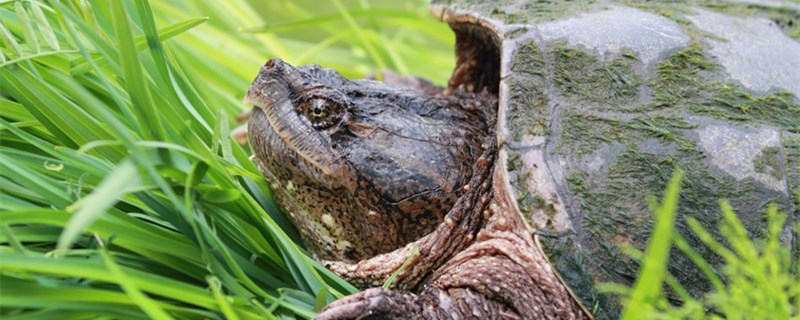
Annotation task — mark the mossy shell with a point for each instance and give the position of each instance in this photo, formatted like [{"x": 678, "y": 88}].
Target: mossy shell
[{"x": 600, "y": 101}]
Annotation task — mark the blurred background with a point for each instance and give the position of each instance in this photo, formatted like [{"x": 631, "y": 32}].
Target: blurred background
[
  {"x": 353, "y": 37},
  {"x": 122, "y": 195}
]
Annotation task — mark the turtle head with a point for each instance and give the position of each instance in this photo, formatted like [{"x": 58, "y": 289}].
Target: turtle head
[
  {"x": 360, "y": 166},
  {"x": 293, "y": 108}
]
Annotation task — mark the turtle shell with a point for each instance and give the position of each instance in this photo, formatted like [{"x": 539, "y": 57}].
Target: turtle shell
[{"x": 600, "y": 101}]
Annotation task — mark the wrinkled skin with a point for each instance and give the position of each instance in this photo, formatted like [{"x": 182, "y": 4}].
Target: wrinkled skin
[
  {"x": 363, "y": 168},
  {"x": 373, "y": 173}
]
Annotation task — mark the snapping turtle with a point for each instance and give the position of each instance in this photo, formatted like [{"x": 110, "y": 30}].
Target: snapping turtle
[{"x": 559, "y": 119}]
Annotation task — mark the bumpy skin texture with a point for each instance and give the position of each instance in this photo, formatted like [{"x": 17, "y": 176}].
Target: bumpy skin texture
[
  {"x": 362, "y": 168},
  {"x": 371, "y": 172}
]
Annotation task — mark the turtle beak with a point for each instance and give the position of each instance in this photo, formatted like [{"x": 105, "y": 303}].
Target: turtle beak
[
  {"x": 262, "y": 91},
  {"x": 277, "y": 129}
]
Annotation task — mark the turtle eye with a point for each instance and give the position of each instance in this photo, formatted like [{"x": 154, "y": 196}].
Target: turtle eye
[{"x": 323, "y": 113}]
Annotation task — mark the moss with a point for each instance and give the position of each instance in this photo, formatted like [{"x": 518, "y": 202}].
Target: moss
[
  {"x": 681, "y": 83},
  {"x": 513, "y": 162},
  {"x": 791, "y": 151},
  {"x": 527, "y": 104},
  {"x": 614, "y": 211},
  {"x": 734, "y": 103},
  {"x": 768, "y": 162},
  {"x": 515, "y": 32},
  {"x": 787, "y": 19},
  {"x": 515, "y": 11},
  {"x": 572, "y": 266},
  {"x": 678, "y": 78},
  {"x": 582, "y": 74},
  {"x": 583, "y": 132}
]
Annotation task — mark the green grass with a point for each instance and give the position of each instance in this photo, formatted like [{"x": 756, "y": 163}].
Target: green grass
[
  {"x": 759, "y": 279},
  {"x": 121, "y": 193}
]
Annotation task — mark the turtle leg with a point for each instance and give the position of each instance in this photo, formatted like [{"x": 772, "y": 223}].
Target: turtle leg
[
  {"x": 503, "y": 274},
  {"x": 380, "y": 303},
  {"x": 375, "y": 303},
  {"x": 492, "y": 279},
  {"x": 434, "y": 249}
]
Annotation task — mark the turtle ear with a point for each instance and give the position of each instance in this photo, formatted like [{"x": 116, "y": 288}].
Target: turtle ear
[{"x": 477, "y": 57}]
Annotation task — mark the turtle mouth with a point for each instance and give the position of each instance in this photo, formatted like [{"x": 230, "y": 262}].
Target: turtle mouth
[
  {"x": 279, "y": 137},
  {"x": 477, "y": 52},
  {"x": 276, "y": 144}
]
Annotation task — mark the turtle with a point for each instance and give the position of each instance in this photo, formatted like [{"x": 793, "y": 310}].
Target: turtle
[{"x": 511, "y": 192}]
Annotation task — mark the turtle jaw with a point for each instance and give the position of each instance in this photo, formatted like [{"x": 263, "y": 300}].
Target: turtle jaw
[{"x": 279, "y": 135}]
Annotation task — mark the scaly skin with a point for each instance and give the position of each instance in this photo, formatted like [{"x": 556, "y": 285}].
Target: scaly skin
[
  {"x": 502, "y": 274},
  {"x": 341, "y": 170},
  {"x": 377, "y": 168}
]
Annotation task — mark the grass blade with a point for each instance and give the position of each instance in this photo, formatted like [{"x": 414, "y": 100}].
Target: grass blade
[
  {"x": 647, "y": 287},
  {"x": 118, "y": 183},
  {"x": 152, "y": 309}
]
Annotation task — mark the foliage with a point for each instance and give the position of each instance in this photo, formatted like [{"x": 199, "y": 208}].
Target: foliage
[
  {"x": 121, "y": 193},
  {"x": 757, "y": 281}
]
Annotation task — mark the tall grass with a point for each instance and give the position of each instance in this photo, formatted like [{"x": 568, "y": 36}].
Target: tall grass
[
  {"x": 121, "y": 193},
  {"x": 759, "y": 279}
]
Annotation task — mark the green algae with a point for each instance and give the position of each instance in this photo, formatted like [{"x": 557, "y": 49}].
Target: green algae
[
  {"x": 614, "y": 210},
  {"x": 528, "y": 60},
  {"x": 582, "y": 74},
  {"x": 527, "y": 115},
  {"x": 679, "y": 78},
  {"x": 787, "y": 19},
  {"x": 583, "y": 132},
  {"x": 769, "y": 162},
  {"x": 527, "y": 100},
  {"x": 574, "y": 268},
  {"x": 515, "y": 32},
  {"x": 734, "y": 103},
  {"x": 517, "y": 180},
  {"x": 791, "y": 151},
  {"x": 515, "y": 11},
  {"x": 514, "y": 161},
  {"x": 682, "y": 82},
  {"x": 526, "y": 201},
  {"x": 646, "y": 121},
  {"x": 672, "y": 10}
]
